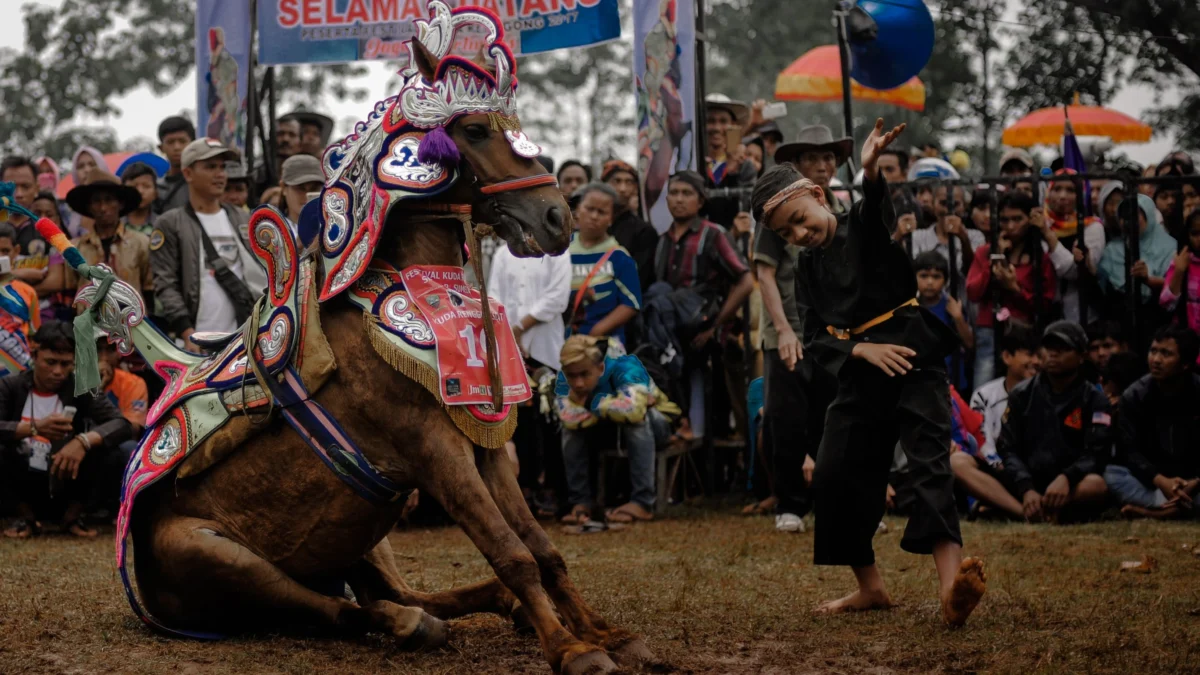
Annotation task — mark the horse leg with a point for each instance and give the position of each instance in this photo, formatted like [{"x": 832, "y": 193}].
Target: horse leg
[
  {"x": 583, "y": 621},
  {"x": 376, "y": 577},
  {"x": 200, "y": 577},
  {"x": 451, "y": 477}
]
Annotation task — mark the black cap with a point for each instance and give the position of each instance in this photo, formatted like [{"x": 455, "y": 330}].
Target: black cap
[{"x": 1066, "y": 333}]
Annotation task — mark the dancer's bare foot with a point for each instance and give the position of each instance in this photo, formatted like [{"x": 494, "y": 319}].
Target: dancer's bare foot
[
  {"x": 858, "y": 601},
  {"x": 1164, "y": 513},
  {"x": 964, "y": 594}
]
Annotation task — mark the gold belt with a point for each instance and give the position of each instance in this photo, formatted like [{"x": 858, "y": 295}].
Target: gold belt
[{"x": 846, "y": 333}]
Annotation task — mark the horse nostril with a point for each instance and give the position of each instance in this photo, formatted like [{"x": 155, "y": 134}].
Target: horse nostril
[{"x": 554, "y": 216}]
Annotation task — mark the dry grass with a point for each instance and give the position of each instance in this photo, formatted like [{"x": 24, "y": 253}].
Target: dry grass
[{"x": 712, "y": 593}]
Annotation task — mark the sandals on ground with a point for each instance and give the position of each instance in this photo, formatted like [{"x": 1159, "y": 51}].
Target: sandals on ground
[
  {"x": 579, "y": 515},
  {"x": 627, "y": 514},
  {"x": 80, "y": 529},
  {"x": 23, "y": 529}
]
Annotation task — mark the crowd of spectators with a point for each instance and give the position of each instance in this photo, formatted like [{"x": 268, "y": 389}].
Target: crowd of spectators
[{"x": 642, "y": 336}]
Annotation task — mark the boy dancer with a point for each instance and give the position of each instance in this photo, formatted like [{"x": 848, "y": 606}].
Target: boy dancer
[{"x": 865, "y": 325}]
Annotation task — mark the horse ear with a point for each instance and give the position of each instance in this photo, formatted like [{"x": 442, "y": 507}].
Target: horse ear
[{"x": 424, "y": 60}]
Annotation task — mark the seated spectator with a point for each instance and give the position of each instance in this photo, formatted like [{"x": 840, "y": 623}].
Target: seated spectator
[
  {"x": 1123, "y": 369},
  {"x": 204, "y": 272},
  {"x": 697, "y": 255},
  {"x": 1020, "y": 278},
  {"x": 1181, "y": 292},
  {"x": 127, "y": 252},
  {"x": 605, "y": 291},
  {"x": 1018, "y": 351},
  {"x": 933, "y": 272},
  {"x": 949, "y": 224},
  {"x": 1156, "y": 250},
  {"x": 597, "y": 392},
  {"x": 572, "y": 174},
  {"x": 1156, "y": 473},
  {"x": 124, "y": 390},
  {"x": 19, "y": 315},
  {"x": 143, "y": 179},
  {"x": 300, "y": 176},
  {"x": 51, "y": 442},
  {"x": 1054, "y": 439},
  {"x": 1104, "y": 340},
  {"x": 628, "y": 228}
]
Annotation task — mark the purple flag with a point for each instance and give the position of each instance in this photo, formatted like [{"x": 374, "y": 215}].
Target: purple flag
[{"x": 1073, "y": 159}]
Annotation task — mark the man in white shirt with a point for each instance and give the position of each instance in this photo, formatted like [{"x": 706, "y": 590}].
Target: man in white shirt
[
  {"x": 204, "y": 271},
  {"x": 535, "y": 293}
]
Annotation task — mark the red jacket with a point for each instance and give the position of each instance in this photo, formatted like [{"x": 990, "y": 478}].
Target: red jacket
[{"x": 1020, "y": 305}]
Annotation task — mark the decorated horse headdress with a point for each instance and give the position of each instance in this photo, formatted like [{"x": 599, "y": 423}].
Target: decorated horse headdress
[{"x": 402, "y": 150}]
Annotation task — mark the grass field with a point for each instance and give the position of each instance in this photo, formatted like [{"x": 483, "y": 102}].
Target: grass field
[{"x": 711, "y": 593}]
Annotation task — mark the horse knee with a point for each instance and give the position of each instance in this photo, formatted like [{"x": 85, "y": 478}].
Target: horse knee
[{"x": 517, "y": 569}]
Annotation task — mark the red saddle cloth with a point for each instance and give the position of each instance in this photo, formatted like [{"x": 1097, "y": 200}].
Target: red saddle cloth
[{"x": 453, "y": 309}]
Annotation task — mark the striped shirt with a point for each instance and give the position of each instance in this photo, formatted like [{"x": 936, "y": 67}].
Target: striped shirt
[
  {"x": 702, "y": 259},
  {"x": 615, "y": 283}
]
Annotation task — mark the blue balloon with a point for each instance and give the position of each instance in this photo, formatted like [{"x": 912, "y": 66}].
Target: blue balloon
[
  {"x": 156, "y": 162},
  {"x": 902, "y": 48}
]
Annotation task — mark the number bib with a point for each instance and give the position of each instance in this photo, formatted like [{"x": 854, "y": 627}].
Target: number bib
[{"x": 453, "y": 310}]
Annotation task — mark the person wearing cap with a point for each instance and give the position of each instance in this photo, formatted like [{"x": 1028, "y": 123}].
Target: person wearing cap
[
  {"x": 1015, "y": 163},
  {"x": 315, "y": 130},
  {"x": 636, "y": 235},
  {"x": 865, "y": 326},
  {"x": 237, "y": 187},
  {"x": 818, "y": 155},
  {"x": 204, "y": 271},
  {"x": 301, "y": 175},
  {"x": 726, "y": 164},
  {"x": 105, "y": 200},
  {"x": 1055, "y": 437}
]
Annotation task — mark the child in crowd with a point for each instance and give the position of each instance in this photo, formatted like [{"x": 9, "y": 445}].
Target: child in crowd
[
  {"x": 1181, "y": 292},
  {"x": 19, "y": 315},
  {"x": 932, "y": 273},
  {"x": 1018, "y": 350}
]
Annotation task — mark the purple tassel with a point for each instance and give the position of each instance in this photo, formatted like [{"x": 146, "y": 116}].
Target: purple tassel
[{"x": 438, "y": 148}]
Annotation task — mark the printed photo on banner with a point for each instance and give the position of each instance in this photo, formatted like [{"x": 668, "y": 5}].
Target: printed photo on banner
[
  {"x": 223, "y": 69},
  {"x": 664, "y": 68},
  {"x": 339, "y": 31}
]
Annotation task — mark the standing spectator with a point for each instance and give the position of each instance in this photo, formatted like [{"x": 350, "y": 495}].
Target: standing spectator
[
  {"x": 52, "y": 441},
  {"x": 126, "y": 252},
  {"x": 796, "y": 391},
  {"x": 1156, "y": 250},
  {"x": 605, "y": 291},
  {"x": 637, "y": 236},
  {"x": 933, "y": 273},
  {"x": 237, "y": 187},
  {"x": 1016, "y": 283},
  {"x": 32, "y": 261},
  {"x": 726, "y": 165},
  {"x": 300, "y": 176},
  {"x": 86, "y": 160},
  {"x": 981, "y": 211},
  {"x": 893, "y": 164},
  {"x": 58, "y": 291},
  {"x": 315, "y": 130},
  {"x": 596, "y": 393},
  {"x": 1016, "y": 163},
  {"x": 535, "y": 292},
  {"x": 1111, "y": 196},
  {"x": 1157, "y": 470},
  {"x": 287, "y": 143},
  {"x": 143, "y": 179},
  {"x": 818, "y": 155},
  {"x": 19, "y": 315},
  {"x": 204, "y": 271},
  {"x": 1018, "y": 350},
  {"x": 949, "y": 224},
  {"x": 1191, "y": 196},
  {"x": 174, "y": 134},
  {"x": 1074, "y": 249},
  {"x": 697, "y": 255},
  {"x": 572, "y": 174},
  {"x": 1181, "y": 292}
]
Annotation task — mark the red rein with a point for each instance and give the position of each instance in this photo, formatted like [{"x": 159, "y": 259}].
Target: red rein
[{"x": 519, "y": 184}]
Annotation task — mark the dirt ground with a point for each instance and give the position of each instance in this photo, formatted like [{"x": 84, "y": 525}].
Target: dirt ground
[{"x": 711, "y": 593}]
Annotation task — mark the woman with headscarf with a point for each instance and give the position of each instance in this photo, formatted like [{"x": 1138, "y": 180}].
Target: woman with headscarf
[
  {"x": 1156, "y": 250},
  {"x": 85, "y": 160}
]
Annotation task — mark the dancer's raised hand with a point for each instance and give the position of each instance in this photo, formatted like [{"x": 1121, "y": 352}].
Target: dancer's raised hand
[{"x": 874, "y": 145}]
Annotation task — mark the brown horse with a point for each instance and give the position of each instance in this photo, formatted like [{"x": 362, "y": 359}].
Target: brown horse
[{"x": 241, "y": 545}]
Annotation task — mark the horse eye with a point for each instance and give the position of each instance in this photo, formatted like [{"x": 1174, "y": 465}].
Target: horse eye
[{"x": 476, "y": 132}]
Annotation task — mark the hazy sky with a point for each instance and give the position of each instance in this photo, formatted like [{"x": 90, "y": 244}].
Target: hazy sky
[{"x": 142, "y": 110}]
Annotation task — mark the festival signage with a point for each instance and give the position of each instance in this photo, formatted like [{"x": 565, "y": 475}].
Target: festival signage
[
  {"x": 339, "y": 31},
  {"x": 664, "y": 81},
  {"x": 222, "y": 70}
]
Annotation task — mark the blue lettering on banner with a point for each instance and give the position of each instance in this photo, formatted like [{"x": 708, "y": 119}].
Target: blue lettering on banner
[{"x": 339, "y": 31}]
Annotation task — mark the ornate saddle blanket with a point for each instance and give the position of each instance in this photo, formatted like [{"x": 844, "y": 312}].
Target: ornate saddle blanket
[{"x": 427, "y": 322}]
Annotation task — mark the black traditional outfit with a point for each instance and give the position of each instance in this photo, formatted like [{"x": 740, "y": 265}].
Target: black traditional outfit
[{"x": 861, "y": 288}]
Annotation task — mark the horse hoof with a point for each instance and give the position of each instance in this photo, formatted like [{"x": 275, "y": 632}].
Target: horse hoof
[
  {"x": 634, "y": 652},
  {"x": 430, "y": 633},
  {"x": 595, "y": 662}
]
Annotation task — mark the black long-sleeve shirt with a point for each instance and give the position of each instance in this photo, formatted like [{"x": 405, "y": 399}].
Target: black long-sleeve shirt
[
  {"x": 640, "y": 239},
  {"x": 862, "y": 274},
  {"x": 1160, "y": 434},
  {"x": 1045, "y": 434},
  {"x": 93, "y": 413}
]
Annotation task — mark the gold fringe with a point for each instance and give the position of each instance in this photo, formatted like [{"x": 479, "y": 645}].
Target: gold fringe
[
  {"x": 504, "y": 122},
  {"x": 489, "y": 436}
]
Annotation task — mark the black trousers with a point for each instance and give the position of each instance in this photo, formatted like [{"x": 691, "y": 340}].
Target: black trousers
[
  {"x": 870, "y": 414},
  {"x": 794, "y": 408},
  {"x": 20, "y": 485}
]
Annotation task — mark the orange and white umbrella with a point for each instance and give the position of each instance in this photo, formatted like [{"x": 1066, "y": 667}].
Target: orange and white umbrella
[
  {"x": 817, "y": 76},
  {"x": 1045, "y": 126}
]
